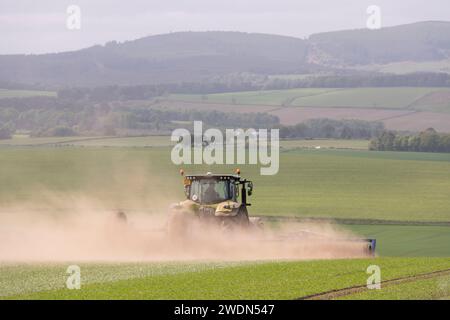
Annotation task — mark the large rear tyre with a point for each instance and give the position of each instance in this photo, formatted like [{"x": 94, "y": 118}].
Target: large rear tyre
[{"x": 178, "y": 226}]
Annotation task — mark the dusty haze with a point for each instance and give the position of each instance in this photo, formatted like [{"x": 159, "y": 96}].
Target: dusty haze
[{"x": 89, "y": 231}]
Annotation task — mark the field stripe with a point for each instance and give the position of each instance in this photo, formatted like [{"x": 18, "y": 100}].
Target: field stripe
[
  {"x": 332, "y": 294},
  {"x": 398, "y": 115},
  {"x": 356, "y": 221}
]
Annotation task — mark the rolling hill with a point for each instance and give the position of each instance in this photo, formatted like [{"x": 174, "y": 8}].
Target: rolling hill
[
  {"x": 422, "y": 41},
  {"x": 175, "y": 57},
  {"x": 195, "y": 56}
]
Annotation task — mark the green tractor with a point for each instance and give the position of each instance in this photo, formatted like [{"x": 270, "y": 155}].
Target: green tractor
[{"x": 218, "y": 200}]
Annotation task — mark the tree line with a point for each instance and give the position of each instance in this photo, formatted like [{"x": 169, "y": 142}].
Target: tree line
[
  {"x": 248, "y": 82},
  {"x": 426, "y": 141},
  {"x": 57, "y": 117},
  {"x": 332, "y": 129}
]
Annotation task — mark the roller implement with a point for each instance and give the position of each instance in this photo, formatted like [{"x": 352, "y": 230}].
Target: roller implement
[{"x": 221, "y": 201}]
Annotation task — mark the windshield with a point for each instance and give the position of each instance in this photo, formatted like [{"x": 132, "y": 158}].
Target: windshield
[{"x": 211, "y": 191}]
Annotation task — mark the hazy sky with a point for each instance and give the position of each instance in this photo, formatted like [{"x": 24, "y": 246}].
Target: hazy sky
[{"x": 37, "y": 26}]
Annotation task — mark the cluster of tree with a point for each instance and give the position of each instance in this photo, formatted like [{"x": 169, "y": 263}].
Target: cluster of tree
[
  {"x": 5, "y": 133},
  {"x": 333, "y": 129},
  {"x": 145, "y": 92},
  {"x": 422, "y": 41},
  {"x": 67, "y": 117},
  {"x": 423, "y": 79},
  {"x": 249, "y": 82},
  {"x": 427, "y": 141}
]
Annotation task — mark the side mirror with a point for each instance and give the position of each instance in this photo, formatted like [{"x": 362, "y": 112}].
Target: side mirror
[
  {"x": 250, "y": 188},
  {"x": 187, "y": 191}
]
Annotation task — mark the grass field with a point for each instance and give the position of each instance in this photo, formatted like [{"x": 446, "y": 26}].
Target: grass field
[
  {"x": 406, "y": 67},
  {"x": 137, "y": 174},
  {"x": 310, "y": 183},
  {"x": 261, "y": 280},
  {"x": 325, "y": 144},
  {"x": 23, "y": 140},
  {"x": 428, "y": 289},
  {"x": 384, "y": 98},
  {"x": 392, "y": 98},
  {"x": 269, "y": 97},
  {"x": 407, "y": 241},
  {"x": 6, "y": 93},
  {"x": 161, "y": 141},
  {"x": 80, "y": 141}
]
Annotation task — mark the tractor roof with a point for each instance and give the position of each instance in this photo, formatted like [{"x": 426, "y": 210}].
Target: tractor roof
[{"x": 210, "y": 175}]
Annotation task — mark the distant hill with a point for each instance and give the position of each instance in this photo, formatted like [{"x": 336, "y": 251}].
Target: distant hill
[
  {"x": 175, "y": 57},
  {"x": 422, "y": 41},
  {"x": 195, "y": 56}
]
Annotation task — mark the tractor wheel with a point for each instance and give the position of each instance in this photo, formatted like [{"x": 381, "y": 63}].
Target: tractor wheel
[
  {"x": 240, "y": 221},
  {"x": 116, "y": 226},
  {"x": 242, "y": 217},
  {"x": 178, "y": 225},
  {"x": 120, "y": 217}
]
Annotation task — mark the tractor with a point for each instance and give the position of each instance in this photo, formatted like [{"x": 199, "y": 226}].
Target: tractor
[{"x": 219, "y": 200}]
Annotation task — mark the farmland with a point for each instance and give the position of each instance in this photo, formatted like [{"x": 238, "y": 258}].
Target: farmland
[
  {"x": 400, "y": 108},
  {"x": 160, "y": 141},
  {"x": 6, "y": 93},
  {"x": 269, "y": 97},
  {"x": 401, "y": 199},
  {"x": 310, "y": 183},
  {"x": 428, "y": 289},
  {"x": 384, "y": 98},
  {"x": 261, "y": 280}
]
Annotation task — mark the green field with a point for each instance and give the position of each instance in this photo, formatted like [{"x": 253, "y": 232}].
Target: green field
[
  {"x": 325, "y": 144},
  {"x": 24, "y": 140},
  {"x": 310, "y": 183},
  {"x": 81, "y": 141},
  {"x": 161, "y": 141},
  {"x": 428, "y": 289},
  {"x": 269, "y": 97},
  {"x": 391, "y": 98},
  {"x": 261, "y": 280},
  {"x": 407, "y": 241},
  {"x": 6, "y": 93},
  {"x": 405, "y": 67},
  {"x": 384, "y": 98},
  {"x": 401, "y": 199}
]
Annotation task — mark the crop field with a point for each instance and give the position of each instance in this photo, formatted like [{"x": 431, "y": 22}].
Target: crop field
[
  {"x": 407, "y": 240},
  {"x": 81, "y": 141},
  {"x": 403, "y": 108},
  {"x": 406, "y": 67},
  {"x": 383, "y": 98},
  {"x": 325, "y": 144},
  {"x": 161, "y": 141},
  {"x": 401, "y": 199},
  {"x": 244, "y": 280},
  {"x": 310, "y": 183},
  {"x": 24, "y": 140},
  {"x": 428, "y": 289},
  {"x": 269, "y": 97},
  {"x": 6, "y": 93}
]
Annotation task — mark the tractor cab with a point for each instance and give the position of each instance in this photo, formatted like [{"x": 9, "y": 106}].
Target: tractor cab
[{"x": 209, "y": 189}]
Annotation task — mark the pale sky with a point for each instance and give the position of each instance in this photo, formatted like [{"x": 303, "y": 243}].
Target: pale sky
[{"x": 39, "y": 26}]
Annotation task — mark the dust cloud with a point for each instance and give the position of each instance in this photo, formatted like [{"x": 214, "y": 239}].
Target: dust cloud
[{"x": 91, "y": 231}]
